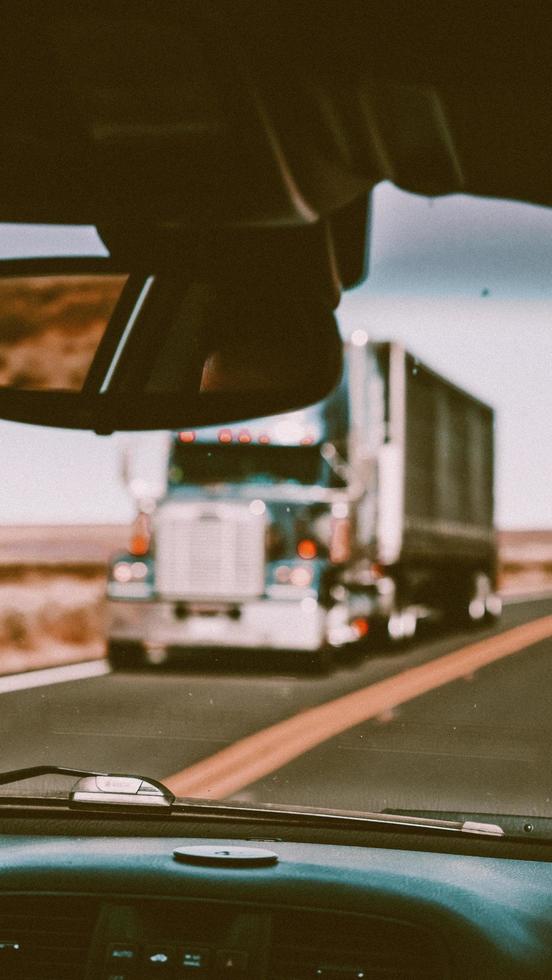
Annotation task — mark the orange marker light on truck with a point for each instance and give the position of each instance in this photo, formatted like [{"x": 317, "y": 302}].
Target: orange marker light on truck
[
  {"x": 225, "y": 435},
  {"x": 141, "y": 536},
  {"x": 360, "y": 626},
  {"x": 139, "y": 545},
  {"x": 307, "y": 548},
  {"x": 188, "y": 436}
]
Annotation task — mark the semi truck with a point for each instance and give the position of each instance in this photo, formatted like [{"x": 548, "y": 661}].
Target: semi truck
[{"x": 342, "y": 525}]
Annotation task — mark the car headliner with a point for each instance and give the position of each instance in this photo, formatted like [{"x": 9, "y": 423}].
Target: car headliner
[{"x": 286, "y": 111}]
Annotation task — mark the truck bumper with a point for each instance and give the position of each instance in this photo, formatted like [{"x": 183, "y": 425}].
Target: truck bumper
[{"x": 263, "y": 623}]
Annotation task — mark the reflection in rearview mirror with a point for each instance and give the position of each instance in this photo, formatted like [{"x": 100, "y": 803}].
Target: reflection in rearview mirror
[
  {"x": 51, "y": 327},
  {"x": 242, "y": 342}
]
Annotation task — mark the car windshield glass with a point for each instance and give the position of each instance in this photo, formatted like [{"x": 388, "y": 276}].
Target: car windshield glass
[{"x": 348, "y": 608}]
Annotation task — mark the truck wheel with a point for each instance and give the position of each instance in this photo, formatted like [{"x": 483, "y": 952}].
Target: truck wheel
[
  {"x": 477, "y": 603},
  {"x": 479, "y": 592},
  {"x": 493, "y": 607},
  {"x": 125, "y": 656},
  {"x": 401, "y": 627}
]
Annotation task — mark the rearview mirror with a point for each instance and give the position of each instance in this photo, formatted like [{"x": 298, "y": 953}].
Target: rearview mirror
[{"x": 86, "y": 344}]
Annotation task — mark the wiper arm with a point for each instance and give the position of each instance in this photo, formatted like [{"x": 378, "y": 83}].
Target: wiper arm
[{"x": 101, "y": 789}]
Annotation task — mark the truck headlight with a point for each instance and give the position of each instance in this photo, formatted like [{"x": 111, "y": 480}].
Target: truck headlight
[
  {"x": 301, "y": 576},
  {"x": 129, "y": 571}
]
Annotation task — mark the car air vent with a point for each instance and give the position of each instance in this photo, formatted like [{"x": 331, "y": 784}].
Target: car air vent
[
  {"x": 330, "y": 945},
  {"x": 45, "y": 937}
]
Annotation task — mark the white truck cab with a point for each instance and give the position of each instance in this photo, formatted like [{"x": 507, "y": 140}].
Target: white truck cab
[{"x": 314, "y": 530}]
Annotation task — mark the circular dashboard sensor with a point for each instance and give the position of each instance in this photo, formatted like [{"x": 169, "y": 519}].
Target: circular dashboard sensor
[{"x": 227, "y": 856}]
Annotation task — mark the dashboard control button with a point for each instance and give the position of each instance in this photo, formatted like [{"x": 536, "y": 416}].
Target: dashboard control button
[
  {"x": 122, "y": 957},
  {"x": 232, "y": 961},
  {"x": 230, "y": 856},
  {"x": 196, "y": 958},
  {"x": 160, "y": 960}
]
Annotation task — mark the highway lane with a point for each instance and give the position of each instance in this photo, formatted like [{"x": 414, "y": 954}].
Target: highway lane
[
  {"x": 476, "y": 743},
  {"x": 480, "y": 744}
]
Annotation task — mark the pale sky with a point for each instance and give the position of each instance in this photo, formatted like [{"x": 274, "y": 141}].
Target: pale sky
[{"x": 466, "y": 285}]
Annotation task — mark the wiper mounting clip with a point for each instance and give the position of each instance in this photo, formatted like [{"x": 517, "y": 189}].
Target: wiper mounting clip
[{"x": 95, "y": 790}]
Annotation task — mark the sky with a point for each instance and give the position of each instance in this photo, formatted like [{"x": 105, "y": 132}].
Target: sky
[{"x": 465, "y": 284}]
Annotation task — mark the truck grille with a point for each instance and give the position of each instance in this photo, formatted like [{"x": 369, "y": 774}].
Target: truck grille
[{"x": 209, "y": 551}]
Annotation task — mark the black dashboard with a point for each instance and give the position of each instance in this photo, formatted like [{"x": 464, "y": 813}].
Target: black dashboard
[{"x": 123, "y": 908}]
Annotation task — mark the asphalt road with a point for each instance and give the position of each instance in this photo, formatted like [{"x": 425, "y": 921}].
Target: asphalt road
[{"x": 480, "y": 742}]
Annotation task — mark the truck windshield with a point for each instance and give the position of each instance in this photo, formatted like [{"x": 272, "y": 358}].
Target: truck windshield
[{"x": 211, "y": 463}]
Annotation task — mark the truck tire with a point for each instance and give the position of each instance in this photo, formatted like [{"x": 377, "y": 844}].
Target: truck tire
[
  {"x": 126, "y": 656},
  {"x": 401, "y": 627},
  {"x": 393, "y": 632},
  {"x": 493, "y": 610},
  {"x": 475, "y": 603}
]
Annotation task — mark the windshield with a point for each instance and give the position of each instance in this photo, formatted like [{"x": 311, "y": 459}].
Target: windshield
[
  {"x": 385, "y": 645},
  {"x": 244, "y": 463}
]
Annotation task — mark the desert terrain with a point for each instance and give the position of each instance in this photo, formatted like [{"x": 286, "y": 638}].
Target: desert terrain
[{"x": 52, "y": 584}]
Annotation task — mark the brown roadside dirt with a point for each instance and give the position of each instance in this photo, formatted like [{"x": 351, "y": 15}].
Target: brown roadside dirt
[
  {"x": 52, "y": 587},
  {"x": 50, "y": 617}
]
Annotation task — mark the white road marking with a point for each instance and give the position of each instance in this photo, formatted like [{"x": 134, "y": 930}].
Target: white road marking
[{"x": 53, "y": 675}]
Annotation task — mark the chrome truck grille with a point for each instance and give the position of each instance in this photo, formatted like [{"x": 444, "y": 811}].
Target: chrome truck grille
[{"x": 213, "y": 550}]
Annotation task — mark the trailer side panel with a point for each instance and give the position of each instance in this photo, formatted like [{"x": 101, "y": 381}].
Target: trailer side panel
[{"x": 448, "y": 473}]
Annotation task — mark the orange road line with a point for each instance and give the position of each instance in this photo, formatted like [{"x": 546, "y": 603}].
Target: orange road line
[{"x": 251, "y": 758}]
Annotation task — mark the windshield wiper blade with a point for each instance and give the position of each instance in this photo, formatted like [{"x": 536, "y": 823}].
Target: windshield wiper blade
[
  {"x": 104, "y": 790},
  {"x": 513, "y": 825},
  {"x": 101, "y": 789},
  {"x": 380, "y": 820}
]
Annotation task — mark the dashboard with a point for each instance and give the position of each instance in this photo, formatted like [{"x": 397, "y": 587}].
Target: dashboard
[{"x": 96, "y": 907}]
